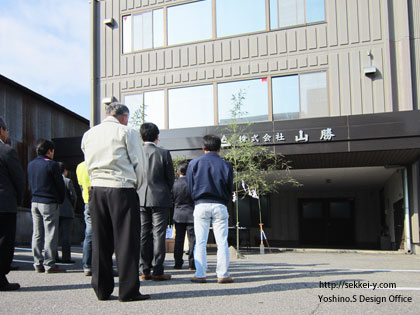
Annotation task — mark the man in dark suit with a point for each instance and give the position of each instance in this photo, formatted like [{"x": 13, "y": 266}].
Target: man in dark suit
[
  {"x": 183, "y": 217},
  {"x": 66, "y": 217},
  {"x": 155, "y": 202},
  {"x": 12, "y": 185}
]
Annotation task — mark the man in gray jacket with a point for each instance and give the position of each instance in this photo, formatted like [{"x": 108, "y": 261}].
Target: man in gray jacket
[
  {"x": 66, "y": 217},
  {"x": 155, "y": 202},
  {"x": 12, "y": 185},
  {"x": 114, "y": 160}
]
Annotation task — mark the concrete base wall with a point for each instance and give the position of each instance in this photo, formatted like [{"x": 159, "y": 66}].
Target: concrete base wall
[{"x": 24, "y": 228}]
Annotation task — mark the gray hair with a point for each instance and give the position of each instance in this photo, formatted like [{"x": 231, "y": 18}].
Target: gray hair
[
  {"x": 116, "y": 109},
  {"x": 3, "y": 124}
]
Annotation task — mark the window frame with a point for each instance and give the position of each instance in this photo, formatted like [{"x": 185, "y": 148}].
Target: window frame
[{"x": 300, "y": 92}]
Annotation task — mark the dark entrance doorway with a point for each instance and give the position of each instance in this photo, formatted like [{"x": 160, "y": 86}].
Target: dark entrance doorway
[
  {"x": 327, "y": 222},
  {"x": 399, "y": 223}
]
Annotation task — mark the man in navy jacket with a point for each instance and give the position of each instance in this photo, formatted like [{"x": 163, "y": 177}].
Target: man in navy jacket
[
  {"x": 210, "y": 181},
  {"x": 48, "y": 191}
]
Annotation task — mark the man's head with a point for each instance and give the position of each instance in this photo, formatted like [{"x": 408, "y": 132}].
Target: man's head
[
  {"x": 4, "y": 132},
  {"x": 182, "y": 167},
  {"x": 149, "y": 132},
  {"x": 119, "y": 111},
  {"x": 63, "y": 169},
  {"x": 46, "y": 148},
  {"x": 211, "y": 143}
]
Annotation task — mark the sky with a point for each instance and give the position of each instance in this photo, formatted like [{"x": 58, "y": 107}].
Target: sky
[{"x": 44, "y": 46}]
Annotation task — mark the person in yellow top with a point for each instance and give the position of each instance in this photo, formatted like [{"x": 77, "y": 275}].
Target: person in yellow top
[{"x": 85, "y": 185}]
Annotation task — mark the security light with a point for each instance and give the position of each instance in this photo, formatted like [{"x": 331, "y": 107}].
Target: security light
[
  {"x": 369, "y": 71},
  {"x": 109, "y": 22},
  {"x": 108, "y": 100}
]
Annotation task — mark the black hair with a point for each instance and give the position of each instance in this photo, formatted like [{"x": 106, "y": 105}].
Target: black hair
[
  {"x": 211, "y": 143},
  {"x": 149, "y": 132},
  {"x": 62, "y": 167},
  {"x": 3, "y": 124},
  {"x": 43, "y": 146},
  {"x": 182, "y": 166}
]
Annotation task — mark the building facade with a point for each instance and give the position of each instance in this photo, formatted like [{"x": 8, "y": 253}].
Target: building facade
[{"x": 333, "y": 85}]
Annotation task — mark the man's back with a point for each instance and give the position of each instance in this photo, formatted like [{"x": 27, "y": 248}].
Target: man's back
[
  {"x": 45, "y": 180},
  {"x": 210, "y": 179},
  {"x": 158, "y": 177},
  {"x": 12, "y": 179},
  {"x": 183, "y": 203},
  {"x": 113, "y": 155}
]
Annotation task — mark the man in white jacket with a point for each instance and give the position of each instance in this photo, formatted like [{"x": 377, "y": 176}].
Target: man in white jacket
[{"x": 115, "y": 159}]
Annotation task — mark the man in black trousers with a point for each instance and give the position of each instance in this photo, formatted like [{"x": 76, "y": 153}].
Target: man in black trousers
[
  {"x": 183, "y": 217},
  {"x": 155, "y": 202},
  {"x": 12, "y": 185},
  {"x": 115, "y": 160}
]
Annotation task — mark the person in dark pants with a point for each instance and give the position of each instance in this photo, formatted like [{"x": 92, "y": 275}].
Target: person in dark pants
[
  {"x": 66, "y": 217},
  {"x": 210, "y": 181},
  {"x": 183, "y": 217},
  {"x": 48, "y": 191},
  {"x": 114, "y": 160},
  {"x": 12, "y": 185},
  {"x": 155, "y": 202}
]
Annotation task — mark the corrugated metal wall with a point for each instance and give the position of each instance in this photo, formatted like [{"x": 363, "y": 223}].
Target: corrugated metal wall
[
  {"x": 355, "y": 35},
  {"x": 30, "y": 118}
]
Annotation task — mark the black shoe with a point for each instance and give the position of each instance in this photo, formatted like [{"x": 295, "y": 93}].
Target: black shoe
[
  {"x": 10, "y": 287},
  {"x": 140, "y": 297},
  {"x": 177, "y": 267},
  {"x": 40, "y": 269}
]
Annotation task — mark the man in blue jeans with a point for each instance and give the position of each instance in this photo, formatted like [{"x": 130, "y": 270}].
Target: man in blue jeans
[
  {"x": 85, "y": 185},
  {"x": 210, "y": 181}
]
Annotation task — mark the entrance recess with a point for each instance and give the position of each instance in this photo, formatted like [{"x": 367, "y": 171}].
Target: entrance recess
[{"x": 327, "y": 222}]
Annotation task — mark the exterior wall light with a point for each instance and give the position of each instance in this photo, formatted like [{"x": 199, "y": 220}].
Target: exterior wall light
[
  {"x": 370, "y": 71},
  {"x": 108, "y": 100},
  {"x": 109, "y": 22}
]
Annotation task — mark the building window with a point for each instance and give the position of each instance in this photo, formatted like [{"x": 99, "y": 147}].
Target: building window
[
  {"x": 300, "y": 96},
  {"x": 285, "y": 13},
  {"x": 190, "y": 22},
  {"x": 143, "y": 31},
  {"x": 146, "y": 107},
  {"x": 254, "y": 104},
  {"x": 239, "y": 16},
  {"x": 191, "y": 107}
]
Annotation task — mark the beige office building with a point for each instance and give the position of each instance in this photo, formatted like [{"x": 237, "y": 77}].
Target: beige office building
[{"x": 331, "y": 84}]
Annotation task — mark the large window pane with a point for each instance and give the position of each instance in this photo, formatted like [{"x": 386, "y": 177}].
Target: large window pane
[
  {"x": 189, "y": 22},
  {"x": 147, "y": 107},
  {"x": 239, "y": 16},
  {"x": 135, "y": 105},
  {"x": 291, "y": 12},
  {"x": 154, "y": 103},
  {"x": 255, "y": 103},
  {"x": 313, "y": 95},
  {"x": 158, "y": 28},
  {"x": 315, "y": 11},
  {"x": 285, "y": 97},
  {"x": 142, "y": 31},
  {"x": 191, "y": 107},
  {"x": 274, "y": 14},
  {"x": 127, "y": 42}
]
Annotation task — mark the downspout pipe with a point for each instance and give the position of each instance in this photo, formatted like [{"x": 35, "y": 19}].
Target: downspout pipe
[
  {"x": 407, "y": 222},
  {"x": 93, "y": 62}
]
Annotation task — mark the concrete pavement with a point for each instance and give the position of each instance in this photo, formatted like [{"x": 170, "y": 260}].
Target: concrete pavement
[{"x": 287, "y": 282}]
